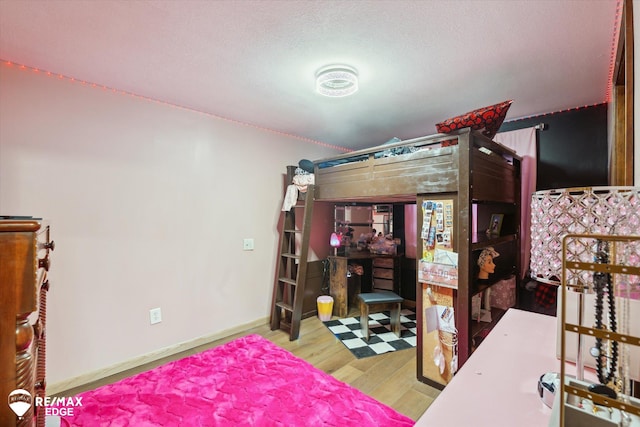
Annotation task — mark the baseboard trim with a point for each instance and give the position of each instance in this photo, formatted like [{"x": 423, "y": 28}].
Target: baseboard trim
[{"x": 60, "y": 387}]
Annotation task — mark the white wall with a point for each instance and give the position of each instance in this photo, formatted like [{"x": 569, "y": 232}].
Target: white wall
[{"x": 148, "y": 205}]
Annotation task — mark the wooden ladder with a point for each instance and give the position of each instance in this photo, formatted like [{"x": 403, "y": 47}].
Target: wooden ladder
[{"x": 288, "y": 290}]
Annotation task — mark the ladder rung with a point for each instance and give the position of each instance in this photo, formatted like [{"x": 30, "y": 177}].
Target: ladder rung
[
  {"x": 288, "y": 255},
  {"x": 292, "y": 231},
  {"x": 287, "y": 280},
  {"x": 285, "y": 306},
  {"x": 284, "y": 325}
]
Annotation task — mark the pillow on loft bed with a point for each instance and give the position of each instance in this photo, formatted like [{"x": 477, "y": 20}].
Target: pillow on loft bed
[{"x": 488, "y": 118}]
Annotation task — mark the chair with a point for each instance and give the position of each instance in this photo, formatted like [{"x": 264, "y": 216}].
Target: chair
[{"x": 379, "y": 301}]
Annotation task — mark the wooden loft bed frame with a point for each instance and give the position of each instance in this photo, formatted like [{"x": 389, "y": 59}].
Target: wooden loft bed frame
[
  {"x": 465, "y": 167},
  {"x": 437, "y": 166}
]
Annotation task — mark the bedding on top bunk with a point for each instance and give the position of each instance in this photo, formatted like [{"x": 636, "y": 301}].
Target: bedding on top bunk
[
  {"x": 486, "y": 119},
  {"x": 388, "y": 152}
]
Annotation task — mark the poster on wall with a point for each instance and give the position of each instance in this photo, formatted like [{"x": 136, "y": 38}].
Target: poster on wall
[{"x": 440, "y": 336}]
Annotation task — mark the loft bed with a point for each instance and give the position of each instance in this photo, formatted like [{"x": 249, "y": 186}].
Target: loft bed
[
  {"x": 477, "y": 177},
  {"x": 430, "y": 164}
]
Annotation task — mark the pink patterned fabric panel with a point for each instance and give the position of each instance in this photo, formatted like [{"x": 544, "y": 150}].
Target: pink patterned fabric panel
[
  {"x": 503, "y": 294},
  {"x": 246, "y": 382}
]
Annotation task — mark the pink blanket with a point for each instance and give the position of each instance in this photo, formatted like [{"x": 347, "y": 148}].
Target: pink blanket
[{"x": 246, "y": 382}]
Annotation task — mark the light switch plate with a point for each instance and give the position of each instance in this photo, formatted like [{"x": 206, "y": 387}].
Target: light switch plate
[{"x": 247, "y": 245}]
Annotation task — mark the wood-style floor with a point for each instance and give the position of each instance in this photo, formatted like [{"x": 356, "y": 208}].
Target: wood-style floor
[{"x": 389, "y": 378}]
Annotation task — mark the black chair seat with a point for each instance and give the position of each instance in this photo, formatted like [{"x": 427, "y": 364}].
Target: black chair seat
[{"x": 380, "y": 297}]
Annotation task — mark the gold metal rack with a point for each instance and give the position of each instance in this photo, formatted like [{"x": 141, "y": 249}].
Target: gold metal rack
[{"x": 575, "y": 248}]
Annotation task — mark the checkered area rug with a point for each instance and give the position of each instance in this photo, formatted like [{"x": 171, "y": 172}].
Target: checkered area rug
[{"x": 381, "y": 339}]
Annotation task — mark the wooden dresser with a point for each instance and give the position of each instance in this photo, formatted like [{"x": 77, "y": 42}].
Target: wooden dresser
[
  {"x": 25, "y": 246},
  {"x": 386, "y": 273}
]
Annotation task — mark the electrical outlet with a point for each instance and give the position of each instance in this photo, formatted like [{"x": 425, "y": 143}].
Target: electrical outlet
[
  {"x": 155, "y": 315},
  {"x": 247, "y": 245}
]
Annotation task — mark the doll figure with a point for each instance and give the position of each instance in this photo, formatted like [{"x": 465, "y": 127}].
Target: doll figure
[{"x": 485, "y": 262}]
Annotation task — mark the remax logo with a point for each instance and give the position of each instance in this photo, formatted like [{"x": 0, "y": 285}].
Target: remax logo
[{"x": 20, "y": 401}]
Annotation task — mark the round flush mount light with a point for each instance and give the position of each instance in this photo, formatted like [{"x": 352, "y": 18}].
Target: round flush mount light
[{"x": 337, "y": 81}]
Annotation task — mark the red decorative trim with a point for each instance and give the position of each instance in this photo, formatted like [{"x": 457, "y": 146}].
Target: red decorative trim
[
  {"x": 614, "y": 51},
  {"x": 182, "y": 107}
]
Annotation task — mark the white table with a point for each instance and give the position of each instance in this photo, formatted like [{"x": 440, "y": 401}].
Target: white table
[{"x": 497, "y": 386}]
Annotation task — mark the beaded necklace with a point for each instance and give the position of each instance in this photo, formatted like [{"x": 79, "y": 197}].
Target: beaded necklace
[{"x": 602, "y": 284}]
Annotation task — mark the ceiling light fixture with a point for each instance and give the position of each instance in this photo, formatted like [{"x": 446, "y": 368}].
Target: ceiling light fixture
[{"x": 337, "y": 81}]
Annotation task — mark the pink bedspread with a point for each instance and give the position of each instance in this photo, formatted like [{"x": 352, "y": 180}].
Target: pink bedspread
[{"x": 246, "y": 382}]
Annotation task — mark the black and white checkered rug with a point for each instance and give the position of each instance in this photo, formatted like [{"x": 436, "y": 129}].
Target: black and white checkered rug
[{"x": 381, "y": 339}]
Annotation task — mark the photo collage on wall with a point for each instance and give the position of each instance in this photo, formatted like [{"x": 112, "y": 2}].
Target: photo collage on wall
[
  {"x": 438, "y": 271},
  {"x": 439, "y": 263}
]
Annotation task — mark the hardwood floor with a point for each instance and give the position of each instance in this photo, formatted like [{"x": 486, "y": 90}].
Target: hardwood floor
[{"x": 389, "y": 378}]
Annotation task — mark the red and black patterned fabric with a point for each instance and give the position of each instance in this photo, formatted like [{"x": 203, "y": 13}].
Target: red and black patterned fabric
[
  {"x": 449, "y": 143},
  {"x": 488, "y": 118},
  {"x": 546, "y": 294}
]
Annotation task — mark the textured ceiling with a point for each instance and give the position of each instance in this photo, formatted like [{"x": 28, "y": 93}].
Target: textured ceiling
[{"x": 254, "y": 61}]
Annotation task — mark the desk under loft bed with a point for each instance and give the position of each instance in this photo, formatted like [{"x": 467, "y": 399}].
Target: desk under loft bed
[{"x": 475, "y": 178}]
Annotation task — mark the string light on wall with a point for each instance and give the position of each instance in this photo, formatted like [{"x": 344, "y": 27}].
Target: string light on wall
[
  {"x": 614, "y": 52},
  {"x": 63, "y": 77},
  {"x": 337, "y": 81}
]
